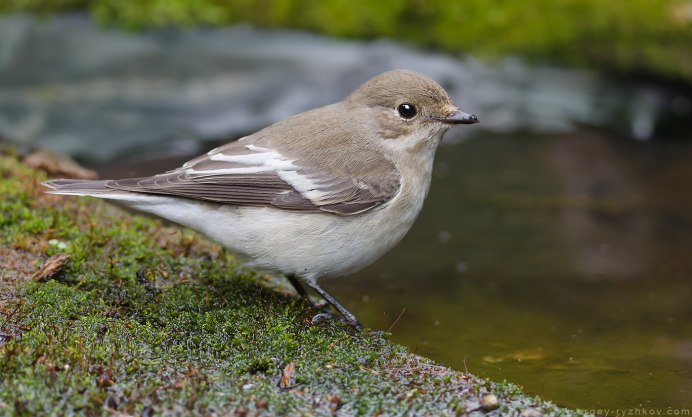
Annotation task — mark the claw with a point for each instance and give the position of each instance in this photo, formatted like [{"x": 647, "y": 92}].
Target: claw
[{"x": 349, "y": 318}]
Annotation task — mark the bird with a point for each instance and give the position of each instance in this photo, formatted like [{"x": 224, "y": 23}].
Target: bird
[{"x": 318, "y": 195}]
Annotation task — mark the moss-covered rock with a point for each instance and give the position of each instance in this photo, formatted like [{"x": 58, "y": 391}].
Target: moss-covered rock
[{"x": 147, "y": 319}]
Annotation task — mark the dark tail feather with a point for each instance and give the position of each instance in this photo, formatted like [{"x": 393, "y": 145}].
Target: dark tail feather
[{"x": 78, "y": 187}]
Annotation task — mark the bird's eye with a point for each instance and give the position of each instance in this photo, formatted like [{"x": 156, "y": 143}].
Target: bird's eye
[{"x": 407, "y": 111}]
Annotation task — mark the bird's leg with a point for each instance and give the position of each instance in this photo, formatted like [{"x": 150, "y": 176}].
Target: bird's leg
[
  {"x": 303, "y": 293},
  {"x": 349, "y": 317},
  {"x": 295, "y": 281}
]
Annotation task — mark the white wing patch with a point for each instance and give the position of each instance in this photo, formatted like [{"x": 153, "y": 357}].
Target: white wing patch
[
  {"x": 303, "y": 184},
  {"x": 230, "y": 171},
  {"x": 260, "y": 160},
  {"x": 248, "y": 159}
]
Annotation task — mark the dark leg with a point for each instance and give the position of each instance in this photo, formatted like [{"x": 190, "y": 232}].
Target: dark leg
[
  {"x": 302, "y": 292},
  {"x": 295, "y": 281},
  {"x": 349, "y": 318}
]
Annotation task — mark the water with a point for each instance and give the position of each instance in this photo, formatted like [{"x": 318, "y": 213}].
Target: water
[{"x": 560, "y": 263}]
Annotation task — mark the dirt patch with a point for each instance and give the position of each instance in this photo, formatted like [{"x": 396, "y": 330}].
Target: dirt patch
[{"x": 16, "y": 266}]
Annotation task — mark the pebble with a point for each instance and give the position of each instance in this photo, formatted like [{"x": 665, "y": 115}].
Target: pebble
[{"x": 489, "y": 402}]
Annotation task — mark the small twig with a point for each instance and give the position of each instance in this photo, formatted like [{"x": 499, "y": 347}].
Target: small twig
[{"x": 403, "y": 310}]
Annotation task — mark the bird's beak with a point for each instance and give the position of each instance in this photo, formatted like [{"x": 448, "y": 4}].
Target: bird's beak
[{"x": 458, "y": 118}]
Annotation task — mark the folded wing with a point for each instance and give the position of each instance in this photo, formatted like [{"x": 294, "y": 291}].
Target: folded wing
[{"x": 249, "y": 175}]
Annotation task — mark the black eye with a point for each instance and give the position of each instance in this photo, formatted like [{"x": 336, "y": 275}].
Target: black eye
[{"x": 407, "y": 111}]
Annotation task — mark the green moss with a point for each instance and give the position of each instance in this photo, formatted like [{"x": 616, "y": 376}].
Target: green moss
[
  {"x": 633, "y": 36},
  {"x": 148, "y": 319}
]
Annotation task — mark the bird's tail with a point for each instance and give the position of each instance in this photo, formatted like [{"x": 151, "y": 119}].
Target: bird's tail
[
  {"x": 94, "y": 188},
  {"x": 77, "y": 187}
]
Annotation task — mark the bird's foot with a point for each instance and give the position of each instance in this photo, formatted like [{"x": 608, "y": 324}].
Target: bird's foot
[
  {"x": 349, "y": 318},
  {"x": 326, "y": 315}
]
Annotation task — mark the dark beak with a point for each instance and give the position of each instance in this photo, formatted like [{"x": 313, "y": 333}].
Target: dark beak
[{"x": 459, "y": 118}]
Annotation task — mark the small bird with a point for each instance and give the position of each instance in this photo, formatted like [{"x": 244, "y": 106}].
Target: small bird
[{"x": 318, "y": 195}]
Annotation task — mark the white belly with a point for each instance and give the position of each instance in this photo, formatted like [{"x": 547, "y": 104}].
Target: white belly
[
  {"x": 315, "y": 245},
  {"x": 310, "y": 245}
]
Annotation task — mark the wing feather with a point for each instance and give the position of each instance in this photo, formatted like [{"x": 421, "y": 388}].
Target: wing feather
[{"x": 249, "y": 175}]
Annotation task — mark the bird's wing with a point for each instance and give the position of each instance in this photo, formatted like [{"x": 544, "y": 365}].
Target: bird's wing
[{"x": 244, "y": 174}]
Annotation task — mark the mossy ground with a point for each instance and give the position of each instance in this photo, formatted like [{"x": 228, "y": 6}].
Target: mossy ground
[{"x": 151, "y": 320}]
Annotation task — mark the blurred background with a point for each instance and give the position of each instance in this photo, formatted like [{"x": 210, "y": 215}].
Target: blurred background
[{"x": 555, "y": 249}]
